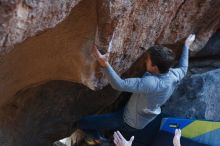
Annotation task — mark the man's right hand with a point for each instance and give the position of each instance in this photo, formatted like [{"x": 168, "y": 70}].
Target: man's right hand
[
  {"x": 190, "y": 39},
  {"x": 102, "y": 59}
]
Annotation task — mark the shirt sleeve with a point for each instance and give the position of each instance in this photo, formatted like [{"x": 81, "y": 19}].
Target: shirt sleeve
[
  {"x": 134, "y": 85},
  {"x": 182, "y": 67}
]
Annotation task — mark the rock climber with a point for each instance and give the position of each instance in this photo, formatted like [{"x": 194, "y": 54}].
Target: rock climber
[{"x": 150, "y": 91}]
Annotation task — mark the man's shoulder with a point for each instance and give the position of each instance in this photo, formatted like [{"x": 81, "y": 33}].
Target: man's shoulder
[{"x": 151, "y": 80}]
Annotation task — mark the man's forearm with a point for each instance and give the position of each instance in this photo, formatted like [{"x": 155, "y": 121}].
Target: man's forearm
[
  {"x": 184, "y": 59},
  {"x": 114, "y": 79}
]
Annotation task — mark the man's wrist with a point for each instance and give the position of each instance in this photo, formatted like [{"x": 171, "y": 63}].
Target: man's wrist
[
  {"x": 186, "y": 46},
  {"x": 104, "y": 64}
]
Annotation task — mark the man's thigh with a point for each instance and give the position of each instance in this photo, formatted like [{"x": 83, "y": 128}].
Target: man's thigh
[{"x": 108, "y": 121}]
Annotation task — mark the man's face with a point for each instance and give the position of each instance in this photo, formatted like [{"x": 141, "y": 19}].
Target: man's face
[{"x": 149, "y": 65}]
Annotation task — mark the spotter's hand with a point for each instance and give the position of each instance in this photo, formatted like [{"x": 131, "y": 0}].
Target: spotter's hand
[
  {"x": 176, "y": 138},
  {"x": 119, "y": 140}
]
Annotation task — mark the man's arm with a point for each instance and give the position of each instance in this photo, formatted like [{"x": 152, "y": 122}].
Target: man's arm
[
  {"x": 182, "y": 67},
  {"x": 135, "y": 85}
]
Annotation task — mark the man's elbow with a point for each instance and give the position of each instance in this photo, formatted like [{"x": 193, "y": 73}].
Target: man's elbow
[
  {"x": 118, "y": 86},
  {"x": 184, "y": 71}
]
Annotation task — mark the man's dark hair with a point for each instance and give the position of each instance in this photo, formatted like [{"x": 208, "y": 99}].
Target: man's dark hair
[{"x": 162, "y": 56}]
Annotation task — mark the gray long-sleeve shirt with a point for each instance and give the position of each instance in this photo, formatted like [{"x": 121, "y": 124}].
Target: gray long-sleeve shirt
[{"x": 149, "y": 92}]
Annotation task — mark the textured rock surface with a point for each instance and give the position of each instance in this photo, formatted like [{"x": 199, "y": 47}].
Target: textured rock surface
[
  {"x": 41, "y": 115},
  {"x": 31, "y": 55},
  {"x": 63, "y": 53},
  {"x": 52, "y": 55},
  {"x": 197, "y": 97},
  {"x": 21, "y": 19},
  {"x": 212, "y": 48}
]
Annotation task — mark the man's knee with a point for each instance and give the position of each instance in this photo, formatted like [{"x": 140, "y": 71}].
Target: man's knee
[{"x": 83, "y": 123}]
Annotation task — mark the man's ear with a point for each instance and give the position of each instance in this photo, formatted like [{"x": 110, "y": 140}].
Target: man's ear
[{"x": 156, "y": 69}]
